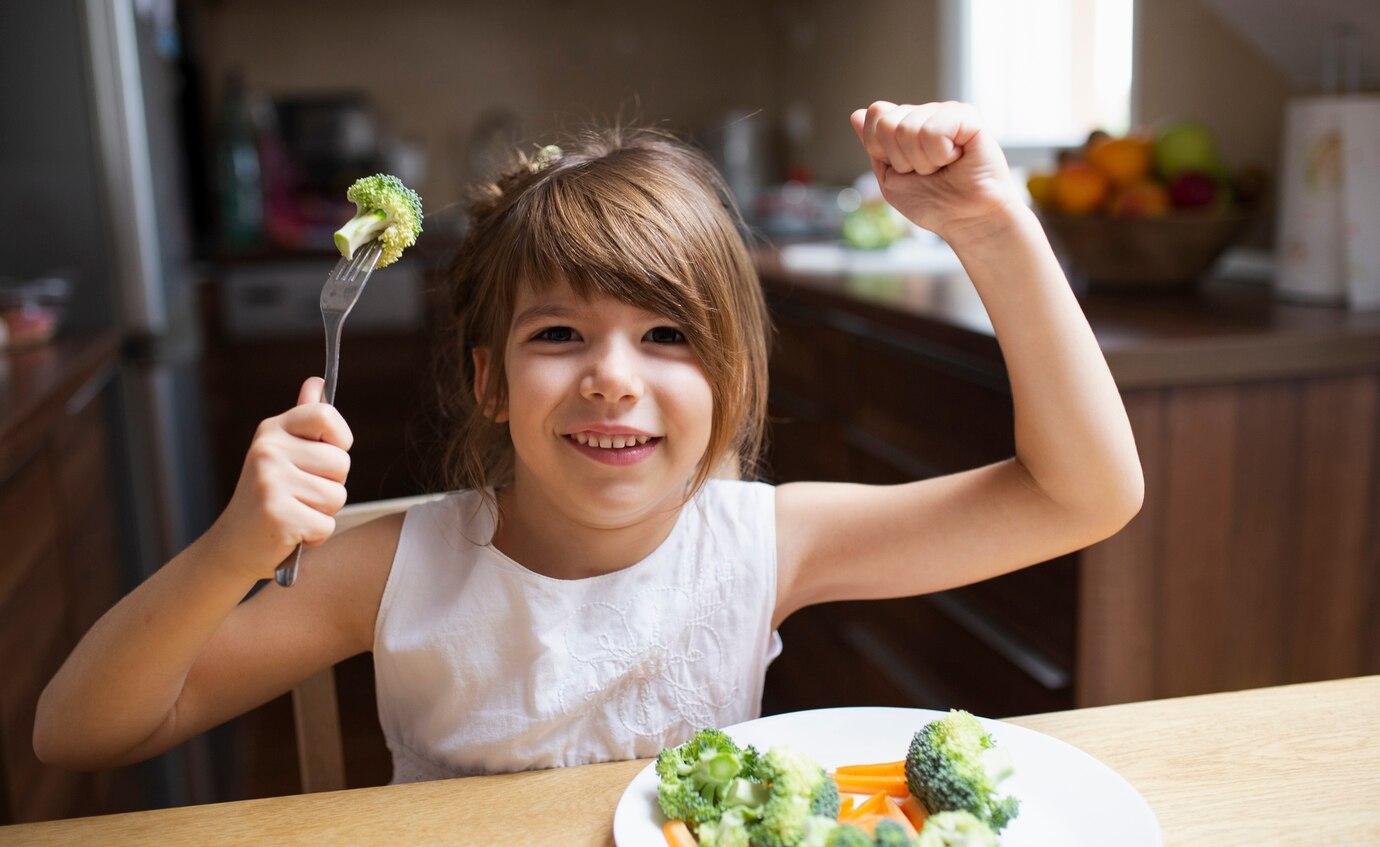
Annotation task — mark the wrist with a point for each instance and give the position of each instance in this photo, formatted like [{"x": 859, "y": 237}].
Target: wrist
[
  {"x": 220, "y": 554},
  {"x": 1000, "y": 222}
]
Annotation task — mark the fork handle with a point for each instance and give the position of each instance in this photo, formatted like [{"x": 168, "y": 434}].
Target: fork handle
[{"x": 286, "y": 573}]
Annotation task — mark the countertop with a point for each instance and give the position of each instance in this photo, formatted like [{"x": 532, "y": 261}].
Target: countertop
[
  {"x": 1225, "y": 331},
  {"x": 37, "y": 383},
  {"x": 1296, "y": 764}
]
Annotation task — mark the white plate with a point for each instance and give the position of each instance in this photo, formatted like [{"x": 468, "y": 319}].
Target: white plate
[{"x": 1067, "y": 797}]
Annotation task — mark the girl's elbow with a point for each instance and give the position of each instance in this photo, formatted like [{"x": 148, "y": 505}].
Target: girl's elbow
[
  {"x": 58, "y": 742},
  {"x": 51, "y": 741},
  {"x": 1120, "y": 502}
]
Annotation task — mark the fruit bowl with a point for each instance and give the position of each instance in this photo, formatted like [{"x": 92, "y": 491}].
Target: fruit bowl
[{"x": 1172, "y": 251}]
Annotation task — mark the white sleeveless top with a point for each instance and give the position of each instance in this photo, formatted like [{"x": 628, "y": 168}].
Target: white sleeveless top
[{"x": 483, "y": 666}]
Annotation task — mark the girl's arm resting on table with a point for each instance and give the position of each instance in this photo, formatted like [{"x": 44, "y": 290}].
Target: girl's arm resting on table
[
  {"x": 181, "y": 653},
  {"x": 1076, "y": 477}
]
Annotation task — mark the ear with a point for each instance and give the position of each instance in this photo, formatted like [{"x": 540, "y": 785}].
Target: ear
[{"x": 482, "y": 358}]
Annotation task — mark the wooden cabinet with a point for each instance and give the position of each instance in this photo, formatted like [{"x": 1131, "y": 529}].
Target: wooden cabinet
[
  {"x": 60, "y": 571},
  {"x": 854, "y": 400},
  {"x": 1253, "y": 561}
]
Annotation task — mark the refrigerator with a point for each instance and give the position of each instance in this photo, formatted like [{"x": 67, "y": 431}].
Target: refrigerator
[{"x": 93, "y": 154}]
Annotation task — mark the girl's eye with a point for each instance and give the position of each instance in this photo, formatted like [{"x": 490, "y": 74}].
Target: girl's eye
[
  {"x": 555, "y": 334},
  {"x": 665, "y": 335}
]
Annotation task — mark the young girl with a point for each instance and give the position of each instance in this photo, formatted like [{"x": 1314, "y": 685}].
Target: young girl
[{"x": 590, "y": 592}]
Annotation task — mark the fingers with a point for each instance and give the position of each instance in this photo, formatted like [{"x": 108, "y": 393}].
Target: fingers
[
  {"x": 318, "y": 422},
  {"x": 319, "y": 459},
  {"x": 321, "y": 495},
  {"x": 312, "y": 390},
  {"x": 870, "y": 141},
  {"x": 920, "y": 139}
]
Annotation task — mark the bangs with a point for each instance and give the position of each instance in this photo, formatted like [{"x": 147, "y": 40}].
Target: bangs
[
  {"x": 606, "y": 235},
  {"x": 629, "y": 214}
]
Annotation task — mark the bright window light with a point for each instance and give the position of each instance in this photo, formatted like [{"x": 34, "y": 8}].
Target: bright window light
[{"x": 1044, "y": 72}]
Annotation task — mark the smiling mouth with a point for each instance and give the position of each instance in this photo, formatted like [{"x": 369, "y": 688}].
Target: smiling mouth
[{"x": 610, "y": 442}]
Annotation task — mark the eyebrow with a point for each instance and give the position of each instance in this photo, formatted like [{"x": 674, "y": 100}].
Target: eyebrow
[{"x": 545, "y": 310}]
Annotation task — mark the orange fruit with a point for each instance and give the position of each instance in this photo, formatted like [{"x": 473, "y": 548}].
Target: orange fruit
[
  {"x": 1041, "y": 188},
  {"x": 1123, "y": 160},
  {"x": 1079, "y": 188},
  {"x": 1144, "y": 199}
]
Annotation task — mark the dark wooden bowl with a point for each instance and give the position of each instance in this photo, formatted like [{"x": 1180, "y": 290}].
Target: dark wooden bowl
[{"x": 1171, "y": 252}]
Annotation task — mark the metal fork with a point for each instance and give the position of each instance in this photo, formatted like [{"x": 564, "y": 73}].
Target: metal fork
[{"x": 338, "y": 297}]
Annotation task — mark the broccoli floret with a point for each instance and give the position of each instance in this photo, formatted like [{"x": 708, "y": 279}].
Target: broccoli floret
[
  {"x": 848, "y": 836},
  {"x": 385, "y": 209},
  {"x": 794, "y": 782},
  {"x": 818, "y": 828},
  {"x": 731, "y": 830},
  {"x": 700, "y": 777},
  {"x": 826, "y": 799},
  {"x": 953, "y": 765},
  {"x": 890, "y": 834},
  {"x": 955, "y": 829}
]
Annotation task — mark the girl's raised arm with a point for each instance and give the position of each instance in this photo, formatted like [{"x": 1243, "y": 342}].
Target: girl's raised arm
[
  {"x": 181, "y": 653},
  {"x": 1075, "y": 479}
]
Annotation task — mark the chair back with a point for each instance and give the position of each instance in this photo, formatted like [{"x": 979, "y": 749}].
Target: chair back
[{"x": 315, "y": 709}]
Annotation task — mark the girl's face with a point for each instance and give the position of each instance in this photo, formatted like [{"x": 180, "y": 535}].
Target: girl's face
[{"x": 585, "y": 376}]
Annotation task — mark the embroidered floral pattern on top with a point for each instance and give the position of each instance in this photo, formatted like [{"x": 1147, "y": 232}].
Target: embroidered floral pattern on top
[{"x": 648, "y": 662}]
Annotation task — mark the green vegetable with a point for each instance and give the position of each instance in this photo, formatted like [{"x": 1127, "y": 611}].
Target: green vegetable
[
  {"x": 731, "y": 830},
  {"x": 953, "y": 765},
  {"x": 797, "y": 787},
  {"x": 385, "y": 209},
  {"x": 890, "y": 834},
  {"x": 701, "y": 775},
  {"x": 848, "y": 836},
  {"x": 818, "y": 829},
  {"x": 735, "y": 797},
  {"x": 955, "y": 829}
]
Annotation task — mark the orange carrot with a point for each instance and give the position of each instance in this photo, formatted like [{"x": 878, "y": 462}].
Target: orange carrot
[
  {"x": 871, "y": 806},
  {"x": 893, "y": 812},
  {"x": 897, "y": 768},
  {"x": 915, "y": 811},
  {"x": 893, "y": 785},
  {"x": 677, "y": 834},
  {"x": 867, "y": 823},
  {"x": 845, "y": 806}
]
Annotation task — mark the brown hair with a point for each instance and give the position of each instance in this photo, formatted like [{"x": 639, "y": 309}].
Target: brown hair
[{"x": 632, "y": 214}]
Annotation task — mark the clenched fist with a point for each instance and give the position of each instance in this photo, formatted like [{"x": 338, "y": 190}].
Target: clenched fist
[
  {"x": 936, "y": 164},
  {"x": 291, "y": 486}
]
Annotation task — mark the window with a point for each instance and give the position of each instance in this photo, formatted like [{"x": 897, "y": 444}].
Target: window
[{"x": 1043, "y": 72}]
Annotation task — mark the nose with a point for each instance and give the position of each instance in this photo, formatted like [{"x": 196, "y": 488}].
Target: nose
[{"x": 612, "y": 376}]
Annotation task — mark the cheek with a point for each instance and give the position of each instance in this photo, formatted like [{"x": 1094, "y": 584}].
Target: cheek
[
  {"x": 534, "y": 389},
  {"x": 691, "y": 402}
]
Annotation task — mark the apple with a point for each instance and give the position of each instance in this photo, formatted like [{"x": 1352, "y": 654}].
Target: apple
[
  {"x": 1184, "y": 147},
  {"x": 1193, "y": 190}
]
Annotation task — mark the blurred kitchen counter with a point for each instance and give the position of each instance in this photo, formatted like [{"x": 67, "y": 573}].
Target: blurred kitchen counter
[
  {"x": 1228, "y": 330},
  {"x": 36, "y": 382},
  {"x": 1252, "y": 562}
]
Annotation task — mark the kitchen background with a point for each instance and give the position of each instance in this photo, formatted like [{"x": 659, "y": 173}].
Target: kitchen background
[{"x": 175, "y": 169}]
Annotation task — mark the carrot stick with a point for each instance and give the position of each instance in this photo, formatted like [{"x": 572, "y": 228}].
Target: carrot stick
[
  {"x": 871, "y": 806},
  {"x": 893, "y": 812},
  {"x": 677, "y": 834},
  {"x": 893, "y": 785},
  {"x": 845, "y": 806},
  {"x": 915, "y": 811},
  {"x": 897, "y": 768},
  {"x": 867, "y": 823}
]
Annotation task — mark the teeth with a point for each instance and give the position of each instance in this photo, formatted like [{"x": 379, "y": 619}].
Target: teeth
[{"x": 609, "y": 442}]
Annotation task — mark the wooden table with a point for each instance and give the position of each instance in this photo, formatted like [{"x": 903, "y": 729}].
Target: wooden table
[{"x": 1296, "y": 764}]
